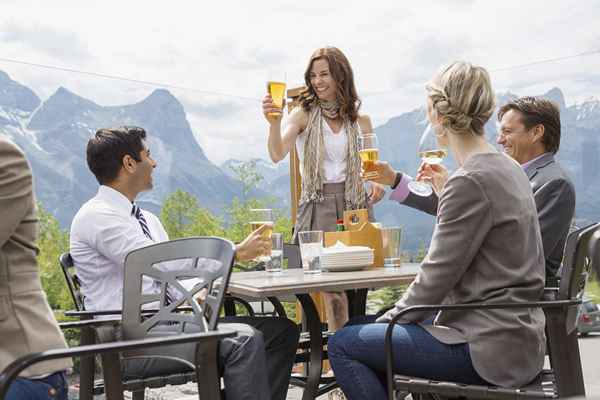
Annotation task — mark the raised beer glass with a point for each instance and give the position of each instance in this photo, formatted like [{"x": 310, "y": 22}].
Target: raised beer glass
[
  {"x": 258, "y": 218},
  {"x": 276, "y": 89},
  {"x": 369, "y": 153}
]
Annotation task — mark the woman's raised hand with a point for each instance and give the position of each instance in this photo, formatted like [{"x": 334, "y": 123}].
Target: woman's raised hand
[
  {"x": 272, "y": 113},
  {"x": 435, "y": 174}
]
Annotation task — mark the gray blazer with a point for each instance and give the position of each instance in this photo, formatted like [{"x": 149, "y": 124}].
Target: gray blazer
[
  {"x": 554, "y": 196},
  {"x": 486, "y": 247},
  {"x": 27, "y": 324}
]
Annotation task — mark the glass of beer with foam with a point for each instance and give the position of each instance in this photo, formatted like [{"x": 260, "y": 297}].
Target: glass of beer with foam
[
  {"x": 369, "y": 153},
  {"x": 260, "y": 217}
]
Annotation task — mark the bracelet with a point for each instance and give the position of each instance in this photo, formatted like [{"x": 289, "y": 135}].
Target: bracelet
[{"x": 397, "y": 180}]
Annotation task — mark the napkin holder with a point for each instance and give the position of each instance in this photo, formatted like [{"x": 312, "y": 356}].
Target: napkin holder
[{"x": 358, "y": 232}]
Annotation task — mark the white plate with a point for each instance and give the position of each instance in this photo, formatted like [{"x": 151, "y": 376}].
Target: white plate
[{"x": 335, "y": 263}]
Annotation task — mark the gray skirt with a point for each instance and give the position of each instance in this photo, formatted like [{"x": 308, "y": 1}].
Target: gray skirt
[{"x": 322, "y": 216}]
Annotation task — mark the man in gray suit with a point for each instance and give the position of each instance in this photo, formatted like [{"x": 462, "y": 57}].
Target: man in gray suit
[
  {"x": 27, "y": 324},
  {"x": 530, "y": 134}
]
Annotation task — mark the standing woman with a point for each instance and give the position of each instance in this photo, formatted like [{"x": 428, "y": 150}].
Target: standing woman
[{"x": 325, "y": 130}]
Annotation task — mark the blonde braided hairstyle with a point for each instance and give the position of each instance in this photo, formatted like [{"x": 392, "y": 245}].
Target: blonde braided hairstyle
[{"x": 462, "y": 98}]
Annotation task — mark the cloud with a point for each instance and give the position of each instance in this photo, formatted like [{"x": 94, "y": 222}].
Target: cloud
[{"x": 61, "y": 45}]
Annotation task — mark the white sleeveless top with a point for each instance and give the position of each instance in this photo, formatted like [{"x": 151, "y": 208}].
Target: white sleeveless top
[{"x": 334, "y": 161}]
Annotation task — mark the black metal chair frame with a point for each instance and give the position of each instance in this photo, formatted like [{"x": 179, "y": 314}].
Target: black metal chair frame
[
  {"x": 566, "y": 377},
  {"x": 206, "y": 372}
]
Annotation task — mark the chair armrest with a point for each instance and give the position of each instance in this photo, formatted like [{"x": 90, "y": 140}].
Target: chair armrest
[
  {"x": 89, "y": 323},
  {"x": 18, "y": 365},
  {"x": 387, "y": 348},
  {"x": 91, "y": 314}
]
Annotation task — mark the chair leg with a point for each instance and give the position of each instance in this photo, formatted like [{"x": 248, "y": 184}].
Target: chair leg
[
  {"x": 564, "y": 356},
  {"x": 86, "y": 367},
  {"x": 138, "y": 394},
  {"x": 207, "y": 374}
]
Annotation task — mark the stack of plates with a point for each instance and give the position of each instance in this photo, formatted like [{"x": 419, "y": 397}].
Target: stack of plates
[{"x": 340, "y": 257}]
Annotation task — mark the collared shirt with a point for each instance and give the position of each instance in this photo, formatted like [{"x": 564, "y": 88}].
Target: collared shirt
[
  {"x": 527, "y": 164},
  {"x": 103, "y": 232}
]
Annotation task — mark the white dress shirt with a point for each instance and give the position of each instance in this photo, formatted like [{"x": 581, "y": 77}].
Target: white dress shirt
[{"x": 103, "y": 232}]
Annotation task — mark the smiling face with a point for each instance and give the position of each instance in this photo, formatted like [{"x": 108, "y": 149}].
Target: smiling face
[
  {"x": 142, "y": 173},
  {"x": 322, "y": 81},
  {"x": 520, "y": 143}
]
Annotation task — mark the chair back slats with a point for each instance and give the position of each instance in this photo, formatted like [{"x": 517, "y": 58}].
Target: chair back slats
[
  {"x": 73, "y": 282},
  {"x": 181, "y": 276}
]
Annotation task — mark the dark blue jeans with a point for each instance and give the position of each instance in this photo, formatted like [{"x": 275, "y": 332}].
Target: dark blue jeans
[
  {"x": 357, "y": 356},
  {"x": 53, "y": 387}
]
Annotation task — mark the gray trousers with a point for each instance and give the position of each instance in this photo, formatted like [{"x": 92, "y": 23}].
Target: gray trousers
[{"x": 255, "y": 365}]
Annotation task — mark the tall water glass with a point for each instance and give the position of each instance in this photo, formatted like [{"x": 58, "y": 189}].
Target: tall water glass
[
  {"x": 391, "y": 246},
  {"x": 276, "y": 261},
  {"x": 311, "y": 246}
]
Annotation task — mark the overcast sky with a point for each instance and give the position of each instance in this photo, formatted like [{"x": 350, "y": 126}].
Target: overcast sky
[{"x": 234, "y": 47}]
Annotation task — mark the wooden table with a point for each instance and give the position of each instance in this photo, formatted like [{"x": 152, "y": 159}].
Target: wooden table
[{"x": 261, "y": 284}]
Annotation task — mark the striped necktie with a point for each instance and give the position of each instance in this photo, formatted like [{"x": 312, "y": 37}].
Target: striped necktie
[{"x": 140, "y": 217}]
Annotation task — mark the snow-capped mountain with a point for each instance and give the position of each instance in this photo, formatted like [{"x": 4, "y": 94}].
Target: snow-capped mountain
[{"x": 54, "y": 133}]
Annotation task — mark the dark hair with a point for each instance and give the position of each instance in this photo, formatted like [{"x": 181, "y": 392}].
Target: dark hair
[
  {"x": 342, "y": 74},
  {"x": 105, "y": 151},
  {"x": 535, "y": 111}
]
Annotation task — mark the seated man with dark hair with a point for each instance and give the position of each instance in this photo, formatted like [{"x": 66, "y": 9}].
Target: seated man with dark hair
[{"x": 111, "y": 225}]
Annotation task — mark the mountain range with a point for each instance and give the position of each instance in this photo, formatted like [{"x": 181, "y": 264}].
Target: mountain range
[{"x": 53, "y": 133}]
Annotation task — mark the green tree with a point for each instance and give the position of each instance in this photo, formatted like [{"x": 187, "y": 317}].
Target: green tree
[
  {"x": 52, "y": 242},
  {"x": 247, "y": 173},
  {"x": 182, "y": 216}
]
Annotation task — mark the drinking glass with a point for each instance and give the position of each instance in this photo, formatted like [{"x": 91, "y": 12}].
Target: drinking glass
[
  {"x": 431, "y": 153},
  {"x": 369, "y": 153},
  {"x": 391, "y": 246},
  {"x": 276, "y": 88},
  {"x": 276, "y": 261},
  {"x": 258, "y": 218},
  {"x": 311, "y": 246}
]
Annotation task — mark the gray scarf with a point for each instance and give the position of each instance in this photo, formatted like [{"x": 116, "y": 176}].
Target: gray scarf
[{"x": 312, "y": 166}]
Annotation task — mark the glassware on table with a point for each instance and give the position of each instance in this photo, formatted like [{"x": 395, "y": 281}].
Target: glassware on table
[
  {"x": 276, "y": 261},
  {"x": 276, "y": 89},
  {"x": 258, "y": 218},
  {"x": 311, "y": 247},
  {"x": 391, "y": 238},
  {"x": 369, "y": 153},
  {"x": 431, "y": 153}
]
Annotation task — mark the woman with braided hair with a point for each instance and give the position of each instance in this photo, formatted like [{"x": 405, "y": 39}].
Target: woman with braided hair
[
  {"x": 486, "y": 248},
  {"x": 325, "y": 130}
]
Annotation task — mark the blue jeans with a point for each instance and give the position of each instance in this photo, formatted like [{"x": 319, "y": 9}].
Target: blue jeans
[
  {"x": 358, "y": 360},
  {"x": 53, "y": 387}
]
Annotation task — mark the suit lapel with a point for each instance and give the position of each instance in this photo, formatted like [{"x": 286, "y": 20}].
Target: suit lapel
[{"x": 534, "y": 167}]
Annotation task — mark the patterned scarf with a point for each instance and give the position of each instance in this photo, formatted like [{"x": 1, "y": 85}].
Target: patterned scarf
[{"x": 312, "y": 166}]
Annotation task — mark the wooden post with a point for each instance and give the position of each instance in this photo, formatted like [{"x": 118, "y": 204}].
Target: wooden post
[
  {"x": 293, "y": 96},
  {"x": 295, "y": 179}
]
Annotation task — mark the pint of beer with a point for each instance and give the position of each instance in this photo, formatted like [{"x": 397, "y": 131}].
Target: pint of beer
[
  {"x": 369, "y": 153},
  {"x": 277, "y": 92},
  {"x": 260, "y": 217}
]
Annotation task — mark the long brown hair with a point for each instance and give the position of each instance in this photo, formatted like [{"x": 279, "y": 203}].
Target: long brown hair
[{"x": 342, "y": 74}]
